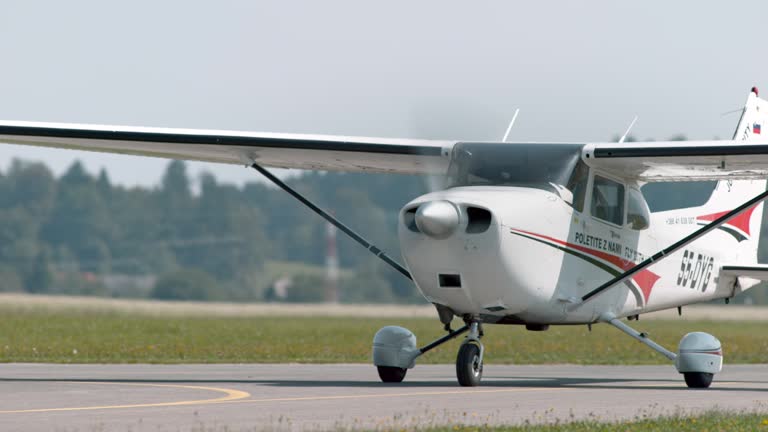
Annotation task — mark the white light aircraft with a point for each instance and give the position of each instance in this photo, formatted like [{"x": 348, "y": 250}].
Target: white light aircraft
[{"x": 533, "y": 234}]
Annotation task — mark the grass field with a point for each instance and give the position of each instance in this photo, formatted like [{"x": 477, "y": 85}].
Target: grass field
[
  {"x": 37, "y": 334},
  {"x": 712, "y": 421}
]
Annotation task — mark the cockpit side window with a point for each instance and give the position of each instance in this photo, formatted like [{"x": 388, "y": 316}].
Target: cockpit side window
[
  {"x": 577, "y": 184},
  {"x": 608, "y": 200},
  {"x": 638, "y": 215}
]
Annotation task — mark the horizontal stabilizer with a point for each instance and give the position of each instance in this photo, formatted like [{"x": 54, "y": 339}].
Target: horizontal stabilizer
[
  {"x": 755, "y": 271},
  {"x": 734, "y": 279}
]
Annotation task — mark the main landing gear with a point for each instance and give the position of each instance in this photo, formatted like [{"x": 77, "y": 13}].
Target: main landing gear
[
  {"x": 699, "y": 356},
  {"x": 394, "y": 352}
]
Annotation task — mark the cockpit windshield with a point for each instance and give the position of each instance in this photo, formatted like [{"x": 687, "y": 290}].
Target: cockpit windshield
[{"x": 528, "y": 165}]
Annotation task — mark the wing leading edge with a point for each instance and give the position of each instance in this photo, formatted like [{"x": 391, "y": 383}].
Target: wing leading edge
[
  {"x": 681, "y": 161},
  {"x": 743, "y": 157},
  {"x": 315, "y": 152}
]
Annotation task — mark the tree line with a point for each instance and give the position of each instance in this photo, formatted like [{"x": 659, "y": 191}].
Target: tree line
[{"x": 79, "y": 233}]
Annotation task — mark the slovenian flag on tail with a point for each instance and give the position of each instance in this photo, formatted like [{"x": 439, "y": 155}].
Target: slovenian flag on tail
[{"x": 756, "y": 128}]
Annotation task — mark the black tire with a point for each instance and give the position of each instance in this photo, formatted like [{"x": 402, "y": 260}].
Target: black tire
[
  {"x": 698, "y": 379},
  {"x": 391, "y": 374},
  {"x": 469, "y": 368}
]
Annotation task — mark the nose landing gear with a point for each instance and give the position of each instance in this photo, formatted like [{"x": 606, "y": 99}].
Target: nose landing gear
[{"x": 469, "y": 361}]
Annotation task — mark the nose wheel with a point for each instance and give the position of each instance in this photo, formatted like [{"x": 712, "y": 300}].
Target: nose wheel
[
  {"x": 469, "y": 361},
  {"x": 469, "y": 365}
]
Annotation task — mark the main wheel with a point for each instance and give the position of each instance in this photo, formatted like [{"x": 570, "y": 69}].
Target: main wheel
[
  {"x": 698, "y": 379},
  {"x": 469, "y": 368},
  {"x": 390, "y": 374}
]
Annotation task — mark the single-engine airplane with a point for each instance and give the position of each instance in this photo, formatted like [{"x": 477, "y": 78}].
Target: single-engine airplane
[{"x": 534, "y": 234}]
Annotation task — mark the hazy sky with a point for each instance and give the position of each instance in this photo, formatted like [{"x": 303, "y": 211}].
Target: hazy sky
[{"x": 578, "y": 70}]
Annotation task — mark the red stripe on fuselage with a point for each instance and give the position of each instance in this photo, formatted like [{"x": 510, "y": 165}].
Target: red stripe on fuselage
[
  {"x": 740, "y": 221},
  {"x": 645, "y": 279}
]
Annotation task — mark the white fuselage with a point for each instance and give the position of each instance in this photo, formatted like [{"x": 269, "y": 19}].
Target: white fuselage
[{"x": 538, "y": 255}]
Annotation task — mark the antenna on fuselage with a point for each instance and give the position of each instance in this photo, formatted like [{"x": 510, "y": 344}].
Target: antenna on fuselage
[
  {"x": 623, "y": 137},
  {"x": 732, "y": 112},
  {"x": 511, "y": 123}
]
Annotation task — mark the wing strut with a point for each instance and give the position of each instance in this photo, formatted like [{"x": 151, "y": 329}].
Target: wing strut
[
  {"x": 658, "y": 256},
  {"x": 331, "y": 219}
]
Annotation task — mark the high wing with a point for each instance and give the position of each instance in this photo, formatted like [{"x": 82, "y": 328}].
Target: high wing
[
  {"x": 315, "y": 152},
  {"x": 743, "y": 157},
  {"x": 680, "y": 161}
]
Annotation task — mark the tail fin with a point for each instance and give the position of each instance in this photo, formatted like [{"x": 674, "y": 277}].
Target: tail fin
[
  {"x": 730, "y": 194},
  {"x": 754, "y": 117}
]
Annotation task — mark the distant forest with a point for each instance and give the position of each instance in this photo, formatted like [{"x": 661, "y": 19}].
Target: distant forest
[{"x": 81, "y": 234}]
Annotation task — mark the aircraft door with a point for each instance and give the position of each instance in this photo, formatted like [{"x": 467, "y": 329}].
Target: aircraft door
[{"x": 607, "y": 202}]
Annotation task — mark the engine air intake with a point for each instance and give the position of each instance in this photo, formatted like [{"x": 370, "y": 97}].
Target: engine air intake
[
  {"x": 478, "y": 220},
  {"x": 409, "y": 219}
]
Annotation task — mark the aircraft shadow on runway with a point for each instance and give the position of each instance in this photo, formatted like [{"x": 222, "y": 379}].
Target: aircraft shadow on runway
[{"x": 502, "y": 382}]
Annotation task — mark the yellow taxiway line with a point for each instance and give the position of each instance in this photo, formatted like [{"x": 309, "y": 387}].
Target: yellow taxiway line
[
  {"x": 229, "y": 395},
  {"x": 237, "y": 396},
  {"x": 389, "y": 395}
]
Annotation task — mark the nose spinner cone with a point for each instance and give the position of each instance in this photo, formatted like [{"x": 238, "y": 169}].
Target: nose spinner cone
[{"x": 437, "y": 219}]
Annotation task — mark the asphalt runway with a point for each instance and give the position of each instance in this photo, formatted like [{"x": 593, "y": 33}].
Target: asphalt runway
[{"x": 254, "y": 397}]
